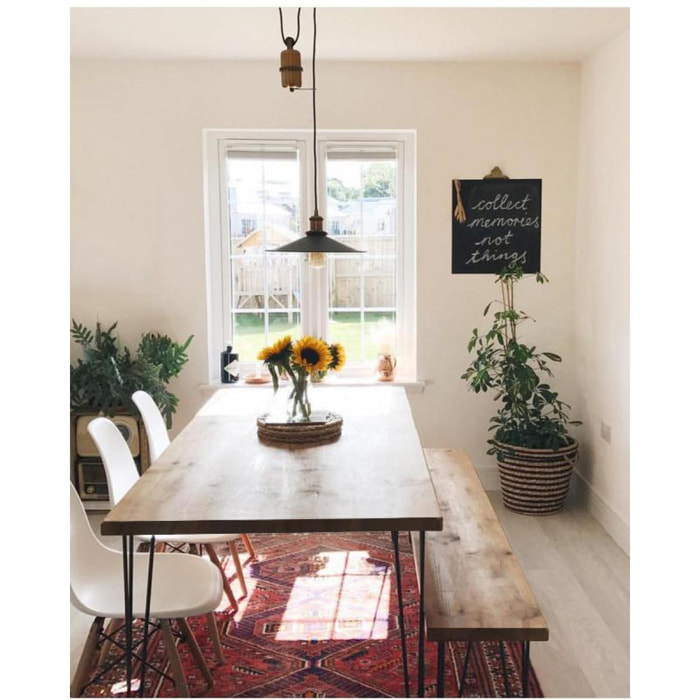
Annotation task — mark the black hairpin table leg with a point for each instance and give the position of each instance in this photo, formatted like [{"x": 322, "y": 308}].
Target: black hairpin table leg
[
  {"x": 441, "y": 670},
  {"x": 128, "y": 564},
  {"x": 149, "y": 586},
  {"x": 402, "y": 626},
  {"x": 465, "y": 668},
  {"x": 526, "y": 669},
  {"x": 421, "y": 616}
]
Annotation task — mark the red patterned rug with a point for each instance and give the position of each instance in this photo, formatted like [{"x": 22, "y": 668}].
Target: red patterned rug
[{"x": 320, "y": 620}]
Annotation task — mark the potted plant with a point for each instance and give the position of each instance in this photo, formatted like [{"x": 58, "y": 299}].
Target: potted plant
[
  {"x": 531, "y": 440},
  {"x": 106, "y": 376}
]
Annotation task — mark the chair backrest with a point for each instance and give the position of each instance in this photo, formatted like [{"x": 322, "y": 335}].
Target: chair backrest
[
  {"x": 156, "y": 430},
  {"x": 86, "y": 551},
  {"x": 119, "y": 465}
]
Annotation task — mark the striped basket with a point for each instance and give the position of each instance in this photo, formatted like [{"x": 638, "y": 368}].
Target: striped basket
[{"x": 535, "y": 482}]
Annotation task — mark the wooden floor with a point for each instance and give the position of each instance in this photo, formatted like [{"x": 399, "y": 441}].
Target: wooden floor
[{"x": 581, "y": 580}]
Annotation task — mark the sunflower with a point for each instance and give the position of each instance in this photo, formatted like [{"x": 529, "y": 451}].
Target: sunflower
[
  {"x": 338, "y": 356},
  {"x": 277, "y": 352},
  {"x": 311, "y": 354}
]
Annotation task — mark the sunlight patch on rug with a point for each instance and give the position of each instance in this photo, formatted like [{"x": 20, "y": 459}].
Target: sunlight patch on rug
[{"x": 346, "y": 597}]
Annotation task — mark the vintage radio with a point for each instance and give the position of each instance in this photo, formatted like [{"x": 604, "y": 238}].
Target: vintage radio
[
  {"x": 87, "y": 471},
  {"x": 85, "y": 446},
  {"x": 91, "y": 480}
]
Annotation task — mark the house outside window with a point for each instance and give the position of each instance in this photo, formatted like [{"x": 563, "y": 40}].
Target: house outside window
[
  {"x": 260, "y": 193},
  {"x": 247, "y": 225}
]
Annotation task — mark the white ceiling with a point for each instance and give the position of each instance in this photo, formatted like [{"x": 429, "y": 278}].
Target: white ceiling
[{"x": 382, "y": 34}]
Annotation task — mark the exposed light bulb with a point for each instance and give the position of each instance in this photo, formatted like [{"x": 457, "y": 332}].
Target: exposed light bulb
[{"x": 317, "y": 260}]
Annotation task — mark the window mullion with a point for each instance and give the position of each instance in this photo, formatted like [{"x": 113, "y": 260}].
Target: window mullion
[
  {"x": 306, "y": 185},
  {"x": 266, "y": 296},
  {"x": 228, "y": 295},
  {"x": 322, "y": 296}
]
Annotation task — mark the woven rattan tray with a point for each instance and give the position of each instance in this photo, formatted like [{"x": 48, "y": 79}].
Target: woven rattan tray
[{"x": 300, "y": 434}]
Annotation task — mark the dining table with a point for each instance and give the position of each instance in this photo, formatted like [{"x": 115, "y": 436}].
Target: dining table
[{"x": 217, "y": 476}]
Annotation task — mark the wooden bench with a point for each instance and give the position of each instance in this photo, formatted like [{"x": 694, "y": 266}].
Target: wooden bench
[{"x": 475, "y": 589}]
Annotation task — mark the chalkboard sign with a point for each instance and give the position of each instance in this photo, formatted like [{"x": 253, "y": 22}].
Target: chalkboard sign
[{"x": 496, "y": 222}]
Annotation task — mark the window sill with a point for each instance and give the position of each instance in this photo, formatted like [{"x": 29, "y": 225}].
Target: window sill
[{"x": 411, "y": 386}]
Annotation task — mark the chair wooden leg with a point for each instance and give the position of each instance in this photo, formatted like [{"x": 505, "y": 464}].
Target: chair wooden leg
[
  {"x": 112, "y": 627},
  {"x": 248, "y": 546},
  {"x": 214, "y": 636},
  {"x": 195, "y": 650},
  {"x": 87, "y": 657},
  {"x": 211, "y": 551},
  {"x": 176, "y": 667},
  {"x": 233, "y": 548}
]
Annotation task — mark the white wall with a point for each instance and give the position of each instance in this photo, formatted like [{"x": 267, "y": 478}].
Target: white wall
[
  {"x": 602, "y": 323},
  {"x": 137, "y": 252}
]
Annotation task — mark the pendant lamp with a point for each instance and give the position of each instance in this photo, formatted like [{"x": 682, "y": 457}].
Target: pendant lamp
[{"x": 316, "y": 243}]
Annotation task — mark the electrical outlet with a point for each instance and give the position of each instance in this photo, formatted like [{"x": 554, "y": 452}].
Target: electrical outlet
[{"x": 605, "y": 431}]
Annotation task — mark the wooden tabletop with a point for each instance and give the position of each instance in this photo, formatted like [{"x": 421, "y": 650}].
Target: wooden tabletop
[
  {"x": 216, "y": 476},
  {"x": 475, "y": 589}
]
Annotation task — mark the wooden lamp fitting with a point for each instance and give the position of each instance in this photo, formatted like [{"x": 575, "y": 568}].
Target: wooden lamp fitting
[{"x": 290, "y": 66}]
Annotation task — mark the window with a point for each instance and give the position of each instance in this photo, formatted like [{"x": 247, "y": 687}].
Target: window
[
  {"x": 263, "y": 291},
  {"x": 259, "y": 187},
  {"x": 362, "y": 199}
]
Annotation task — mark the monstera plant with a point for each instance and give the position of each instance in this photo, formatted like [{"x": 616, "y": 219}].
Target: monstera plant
[{"x": 107, "y": 374}]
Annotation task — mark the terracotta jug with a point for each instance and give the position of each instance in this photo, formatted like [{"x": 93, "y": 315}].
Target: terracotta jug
[{"x": 386, "y": 364}]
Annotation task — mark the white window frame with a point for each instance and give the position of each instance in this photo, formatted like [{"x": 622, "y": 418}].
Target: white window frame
[{"x": 314, "y": 283}]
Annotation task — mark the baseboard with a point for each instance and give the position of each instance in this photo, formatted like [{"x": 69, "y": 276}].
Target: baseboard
[
  {"x": 489, "y": 477},
  {"x": 581, "y": 491},
  {"x": 607, "y": 516}
]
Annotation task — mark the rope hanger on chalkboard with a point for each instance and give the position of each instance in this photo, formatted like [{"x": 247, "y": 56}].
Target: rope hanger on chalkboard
[{"x": 460, "y": 213}]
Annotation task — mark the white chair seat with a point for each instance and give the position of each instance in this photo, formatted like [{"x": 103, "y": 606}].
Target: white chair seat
[{"x": 182, "y": 586}]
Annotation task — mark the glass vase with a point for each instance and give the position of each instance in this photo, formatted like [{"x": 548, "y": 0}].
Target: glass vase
[{"x": 298, "y": 404}]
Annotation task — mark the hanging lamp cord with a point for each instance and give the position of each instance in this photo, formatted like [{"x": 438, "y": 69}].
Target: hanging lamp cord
[
  {"x": 284, "y": 39},
  {"x": 313, "y": 102}
]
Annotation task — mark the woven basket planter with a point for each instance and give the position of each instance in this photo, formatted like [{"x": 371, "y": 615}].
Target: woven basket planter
[{"x": 535, "y": 482}]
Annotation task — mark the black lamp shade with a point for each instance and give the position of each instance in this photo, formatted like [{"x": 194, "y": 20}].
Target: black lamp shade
[
  {"x": 313, "y": 243},
  {"x": 316, "y": 240}
]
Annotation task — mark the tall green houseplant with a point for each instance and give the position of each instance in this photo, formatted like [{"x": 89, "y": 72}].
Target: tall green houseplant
[
  {"x": 107, "y": 374},
  {"x": 531, "y": 426}
]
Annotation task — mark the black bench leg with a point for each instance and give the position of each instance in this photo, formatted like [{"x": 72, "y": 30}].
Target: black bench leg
[
  {"x": 441, "y": 670},
  {"x": 421, "y": 617},
  {"x": 526, "y": 669},
  {"x": 463, "y": 679},
  {"x": 402, "y": 626},
  {"x": 505, "y": 670}
]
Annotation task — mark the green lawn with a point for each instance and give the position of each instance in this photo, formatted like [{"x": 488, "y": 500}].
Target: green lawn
[{"x": 344, "y": 328}]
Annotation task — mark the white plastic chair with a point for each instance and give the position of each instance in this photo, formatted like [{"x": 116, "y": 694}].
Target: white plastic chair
[
  {"x": 122, "y": 474},
  {"x": 182, "y": 587},
  {"x": 158, "y": 440},
  {"x": 156, "y": 430}
]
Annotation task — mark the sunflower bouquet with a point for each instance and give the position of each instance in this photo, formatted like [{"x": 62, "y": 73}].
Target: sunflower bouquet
[{"x": 300, "y": 359}]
